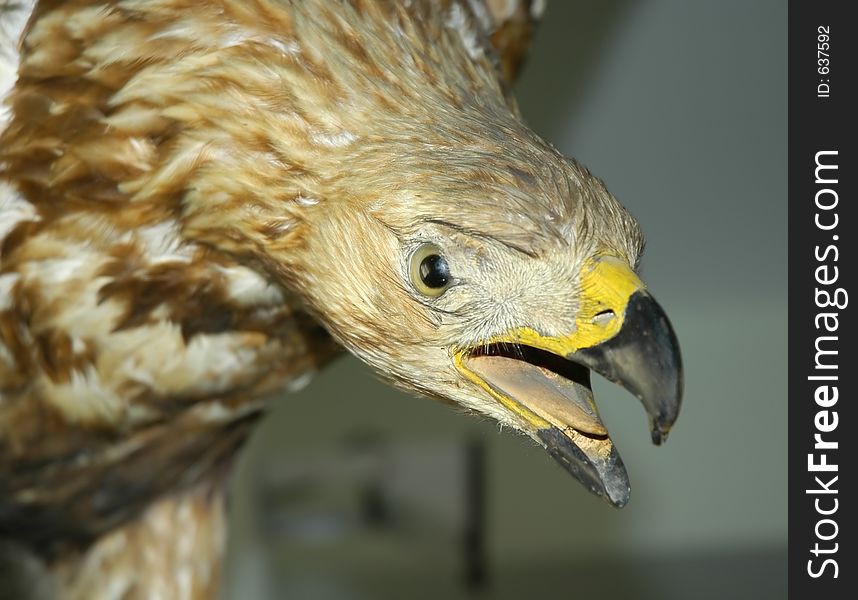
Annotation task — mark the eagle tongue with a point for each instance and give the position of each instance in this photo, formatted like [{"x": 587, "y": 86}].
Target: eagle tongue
[{"x": 562, "y": 402}]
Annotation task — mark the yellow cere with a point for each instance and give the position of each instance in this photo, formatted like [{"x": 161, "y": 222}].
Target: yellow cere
[{"x": 607, "y": 283}]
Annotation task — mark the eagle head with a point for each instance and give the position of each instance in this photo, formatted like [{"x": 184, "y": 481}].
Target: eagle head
[{"x": 468, "y": 261}]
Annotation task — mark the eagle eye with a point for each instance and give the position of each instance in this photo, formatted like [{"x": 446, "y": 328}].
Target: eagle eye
[{"x": 430, "y": 273}]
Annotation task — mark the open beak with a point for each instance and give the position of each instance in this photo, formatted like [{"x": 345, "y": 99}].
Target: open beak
[{"x": 622, "y": 334}]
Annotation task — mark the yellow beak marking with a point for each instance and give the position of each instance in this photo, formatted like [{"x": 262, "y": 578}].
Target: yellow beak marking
[{"x": 607, "y": 283}]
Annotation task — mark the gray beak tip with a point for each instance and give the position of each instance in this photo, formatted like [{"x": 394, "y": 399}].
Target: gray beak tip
[
  {"x": 595, "y": 463},
  {"x": 659, "y": 436}
]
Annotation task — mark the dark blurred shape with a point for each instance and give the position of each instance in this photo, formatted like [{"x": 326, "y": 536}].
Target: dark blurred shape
[
  {"x": 476, "y": 564},
  {"x": 336, "y": 518},
  {"x": 370, "y": 447}
]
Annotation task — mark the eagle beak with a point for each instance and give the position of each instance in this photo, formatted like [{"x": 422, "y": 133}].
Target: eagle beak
[
  {"x": 622, "y": 334},
  {"x": 644, "y": 358}
]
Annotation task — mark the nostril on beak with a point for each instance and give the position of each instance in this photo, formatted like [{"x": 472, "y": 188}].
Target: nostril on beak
[{"x": 604, "y": 317}]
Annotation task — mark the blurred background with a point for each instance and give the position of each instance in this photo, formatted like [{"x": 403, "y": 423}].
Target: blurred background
[{"x": 681, "y": 108}]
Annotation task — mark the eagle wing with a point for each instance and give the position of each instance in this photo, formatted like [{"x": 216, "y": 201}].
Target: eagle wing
[{"x": 132, "y": 361}]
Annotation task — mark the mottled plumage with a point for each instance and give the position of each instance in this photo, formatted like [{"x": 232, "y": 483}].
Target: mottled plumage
[{"x": 202, "y": 202}]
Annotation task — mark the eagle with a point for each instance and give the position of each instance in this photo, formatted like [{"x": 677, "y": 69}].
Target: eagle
[{"x": 203, "y": 202}]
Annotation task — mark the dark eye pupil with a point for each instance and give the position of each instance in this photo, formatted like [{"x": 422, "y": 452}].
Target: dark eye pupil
[{"x": 434, "y": 271}]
